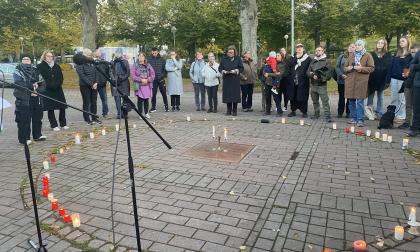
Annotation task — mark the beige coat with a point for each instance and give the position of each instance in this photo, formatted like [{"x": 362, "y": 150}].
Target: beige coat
[
  {"x": 356, "y": 83},
  {"x": 249, "y": 75}
]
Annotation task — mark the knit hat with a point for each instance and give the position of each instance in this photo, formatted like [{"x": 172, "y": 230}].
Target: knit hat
[
  {"x": 25, "y": 55},
  {"x": 299, "y": 45},
  {"x": 272, "y": 54},
  {"x": 360, "y": 42},
  {"x": 119, "y": 50}
]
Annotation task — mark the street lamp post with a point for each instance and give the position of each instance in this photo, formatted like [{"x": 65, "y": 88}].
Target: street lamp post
[
  {"x": 286, "y": 37},
  {"x": 292, "y": 40},
  {"x": 173, "y": 30}
]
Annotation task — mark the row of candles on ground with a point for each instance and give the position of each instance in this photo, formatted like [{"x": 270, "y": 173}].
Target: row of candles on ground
[
  {"x": 77, "y": 138},
  {"x": 74, "y": 218}
]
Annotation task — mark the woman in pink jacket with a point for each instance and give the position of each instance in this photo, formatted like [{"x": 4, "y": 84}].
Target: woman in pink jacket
[{"x": 143, "y": 76}]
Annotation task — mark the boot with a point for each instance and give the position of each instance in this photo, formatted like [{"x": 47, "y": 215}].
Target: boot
[
  {"x": 166, "y": 108},
  {"x": 229, "y": 110},
  {"x": 235, "y": 109}
]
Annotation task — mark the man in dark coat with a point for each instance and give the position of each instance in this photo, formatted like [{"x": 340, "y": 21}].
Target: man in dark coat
[
  {"x": 299, "y": 91},
  {"x": 53, "y": 77},
  {"x": 415, "y": 71},
  {"x": 102, "y": 83},
  {"x": 28, "y": 105},
  {"x": 319, "y": 73},
  {"x": 120, "y": 73},
  {"x": 158, "y": 64},
  {"x": 231, "y": 66}
]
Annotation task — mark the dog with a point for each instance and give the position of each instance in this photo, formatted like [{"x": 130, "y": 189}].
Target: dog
[{"x": 387, "y": 119}]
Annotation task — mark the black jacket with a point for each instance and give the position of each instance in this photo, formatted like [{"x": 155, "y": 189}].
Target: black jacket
[
  {"x": 102, "y": 80},
  {"x": 415, "y": 70},
  {"x": 231, "y": 82},
  {"x": 321, "y": 69},
  {"x": 299, "y": 90},
  {"x": 25, "y": 75},
  {"x": 158, "y": 64},
  {"x": 53, "y": 78},
  {"x": 87, "y": 74},
  {"x": 120, "y": 74},
  {"x": 377, "y": 78}
]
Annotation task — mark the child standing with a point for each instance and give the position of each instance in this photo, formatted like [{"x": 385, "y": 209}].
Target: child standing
[{"x": 143, "y": 76}]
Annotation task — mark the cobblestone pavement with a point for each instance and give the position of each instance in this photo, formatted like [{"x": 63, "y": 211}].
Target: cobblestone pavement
[{"x": 301, "y": 188}]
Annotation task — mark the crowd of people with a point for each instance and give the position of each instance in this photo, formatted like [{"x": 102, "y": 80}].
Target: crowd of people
[{"x": 284, "y": 78}]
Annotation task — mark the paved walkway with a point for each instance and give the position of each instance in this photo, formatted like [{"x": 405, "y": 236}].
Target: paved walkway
[{"x": 301, "y": 188}]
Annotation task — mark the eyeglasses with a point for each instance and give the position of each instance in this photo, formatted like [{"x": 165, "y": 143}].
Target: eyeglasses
[{"x": 26, "y": 58}]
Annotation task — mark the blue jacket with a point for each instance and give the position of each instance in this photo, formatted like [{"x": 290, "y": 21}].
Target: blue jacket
[
  {"x": 415, "y": 70},
  {"x": 397, "y": 66},
  {"x": 196, "y": 71}
]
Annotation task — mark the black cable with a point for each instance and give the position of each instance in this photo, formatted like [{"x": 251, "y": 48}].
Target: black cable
[{"x": 2, "y": 103}]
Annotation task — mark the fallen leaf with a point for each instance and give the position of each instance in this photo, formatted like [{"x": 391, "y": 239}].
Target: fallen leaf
[
  {"x": 372, "y": 179},
  {"x": 347, "y": 172},
  {"x": 284, "y": 177},
  {"x": 232, "y": 193},
  {"x": 401, "y": 203},
  {"x": 310, "y": 246},
  {"x": 243, "y": 247}
]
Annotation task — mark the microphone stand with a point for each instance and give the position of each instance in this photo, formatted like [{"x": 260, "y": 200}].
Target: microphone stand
[{"x": 41, "y": 247}]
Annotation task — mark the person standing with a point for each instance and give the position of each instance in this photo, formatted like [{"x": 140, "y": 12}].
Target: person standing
[
  {"x": 281, "y": 71},
  {"x": 319, "y": 73},
  {"x": 173, "y": 67},
  {"x": 143, "y": 76},
  {"x": 382, "y": 59},
  {"x": 262, "y": 84},
  {"x": 357, "y": 69},
  {"x": 120, "y": 74},
  {"x": 53, "y": 78},
  {"x": 102, "y": 81},
  {"x": 341, "y": 76},
  {"x": 88, "y": 88},
  {"x": 230, "y": 67},
  {"x": 415, "y": 71},
  {"x": 211, "y": 82},
  {"x": 299, "y": 90},
  {"x": 285, "y": 82},
  {"x": 158, "y": 65},
  {"x": 198, "y": 81},
  {"x": 397, "y": 74},
  {"x": 248, "y": 78}
]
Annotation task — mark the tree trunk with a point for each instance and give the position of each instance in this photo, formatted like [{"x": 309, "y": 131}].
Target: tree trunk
[
  {"x": 388, "y": 38},
  {"x": 248, "y": 20},
  {"x": 89, "y": 23},
  {"x": 317, "y": 36}
]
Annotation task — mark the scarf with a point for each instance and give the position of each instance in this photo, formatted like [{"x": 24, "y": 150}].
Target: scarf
[
  {"x": 300, "y": 60},
  {"x": 323, "y": 56},
  {"x": 358, "y": 56},
  {"x": 50, "y": 64},
  {"x": 26, "y": 72}
]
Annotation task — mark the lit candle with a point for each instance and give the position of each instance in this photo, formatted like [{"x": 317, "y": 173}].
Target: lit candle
[
  {"x": 214, "y": 131},
  {"x": 405, "y": 143},
  {"x": 103, "y": 132},
  {"x": 377, "y": 134},
  {"x": 45, "y": 192},
  {"x": 45, "y": 181},
  {"x": 347, "y": 130},
  {"x": 47, "y": 175},
  {"x": 61, "y": 151},
  {"x": 66, "y": 218},
  {"x": 91, "y": 135},
  {"x": 368, "y": 133},
  {"x": 384, "y": 137},
  {"x": 52, "y": 159},
  {"x": 77, "y": 139},
  {"x": 283, "y": 120},
  {"x": 50, "y": 196},
  {"x": 61, "y": 211},
  {"x": 134, "y": 126},
  {"x": 225, "y": 133},
  {"x": 117, "y": 127},
  {"x": 399, "y": 233},
  {"x": 359, "y": 246},
  {"x": 352, "y": 129},
  {"x": 46, "y": 165},
  {"x": 54, "y": 204},
  {"x": 389, "y": 139},
  {"x": 75, "y": 218},
  {"x": 188, "y": 118},
  {"x": 334, "y": 126},
  {"x": 412, "y": 216},
  {"x": 301, "y": 122}
]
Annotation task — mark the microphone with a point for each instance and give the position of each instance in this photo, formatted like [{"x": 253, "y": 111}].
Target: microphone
[{"x": 80, "y": 59}]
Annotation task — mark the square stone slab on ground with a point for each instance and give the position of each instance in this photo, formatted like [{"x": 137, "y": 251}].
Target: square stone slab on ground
[{"x": 229, "y": 152}]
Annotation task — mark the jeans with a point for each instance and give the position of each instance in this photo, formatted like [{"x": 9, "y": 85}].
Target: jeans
[
  {"x": 379, "y": 102},
  {"x": 89, "y": 97},
  {"x": 143, "y": 103},
  {"x": 212, "y": 96},
  {"x": 408, "y": 93},
  {"x": 24, "y": 116},
  {"x": 357, "y": 109},
  {"x": 415, "y": 124},
  {"x": 104, "y": 99},
  {"x": 342, "y": 103},
  {"x": 398, "y": 99},
  {"x": 118, "y": 104},
  {"x": 159, "y": 85},
  {"x": 61, "y": 118},
  {"x": 247, "y": 91},
  {"x": 320, "y": 92},
  {"x": 199, "y": 89}
]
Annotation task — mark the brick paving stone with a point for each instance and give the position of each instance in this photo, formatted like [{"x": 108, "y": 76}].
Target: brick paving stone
[
  {"x": 210, "y": 236},
  {"x": 188, "y": 243}
]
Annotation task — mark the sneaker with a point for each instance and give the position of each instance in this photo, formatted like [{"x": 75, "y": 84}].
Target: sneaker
[
  {"x": 66, "y": 127},
  {"x": 210, "y": 110},
  {"x": 172, "y": 109},
  {"x": 352, "y": 122},
  {"x": 203, "y": 108},
  {"x": 28, "y": 142},
  {"x": 56, "y": 129},
  {"x": 292, "y": 114},
  {"x": 404, "y": 126},
  {"x": 214, "y": 110},
  {"x": 274, "y": 90},
  {"x": 413, "y": 133},
  {"x": 91, "y": 123},
  {"x": 284, "y": 108},
  {"x": 250, "y": 110},
  {"x": 360, "y": 124},
  {"x": 177, "y": 108},
  {"x": 245, "y": 110},
  {"x": 147, "y": 116},
  {"x": 153, "y": 110},
  {"x": 96, "y": 121},
  {"x": 41, "y": 138},
  {"x": 166, "y": 109},
  {"x": 304, "y": 115}
]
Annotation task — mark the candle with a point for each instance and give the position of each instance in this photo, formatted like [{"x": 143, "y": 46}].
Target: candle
[
  {"x": 54, "y": 204},
  {"x": 103, "y": 132},
  {"x": 352, "y": 129},
  {"x": 188, "y": 118},
  {"x": 61, "y": 211},
  {"x": 134, "y": 126},
  {"x": 334, "y": 126},
  {"x": 75, "y": 218},
  {"x": 412, "y": 216},
  {"x": 77, "y": 139},
  {"x": 368, "y": 133},
  {"x": 91, "y": 135},
  {"x": 389, "y": 139},
  {"x": 225, "y": 133},
  {"x": 46, "y": 165},
  {"x": 405, "y": 143},
  {"x": 214, "y": 131},
  {"x": 47, "y": 175},
  {"x": 117, "y": 127},
  {"x": 399, "y": 233},
  {"x": 52, "y": 158},
  {"x": 283, "y": 120},
  {"x": 327, "y": 250},
  {"x": 66, "y": 218},
  {"x": 384, "y": 137},
  {"x": 359, "y": 246},
  {"x": 45, "y": 192},
  {"x": 301, "y": 122},
  {"x": 50, "y": 196},
  {"x": 61, "y": 151},
  {"x": 45, "y": 181},
  {"x": 377, "y": 134},
  {"x": 347, "y": 130}
]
